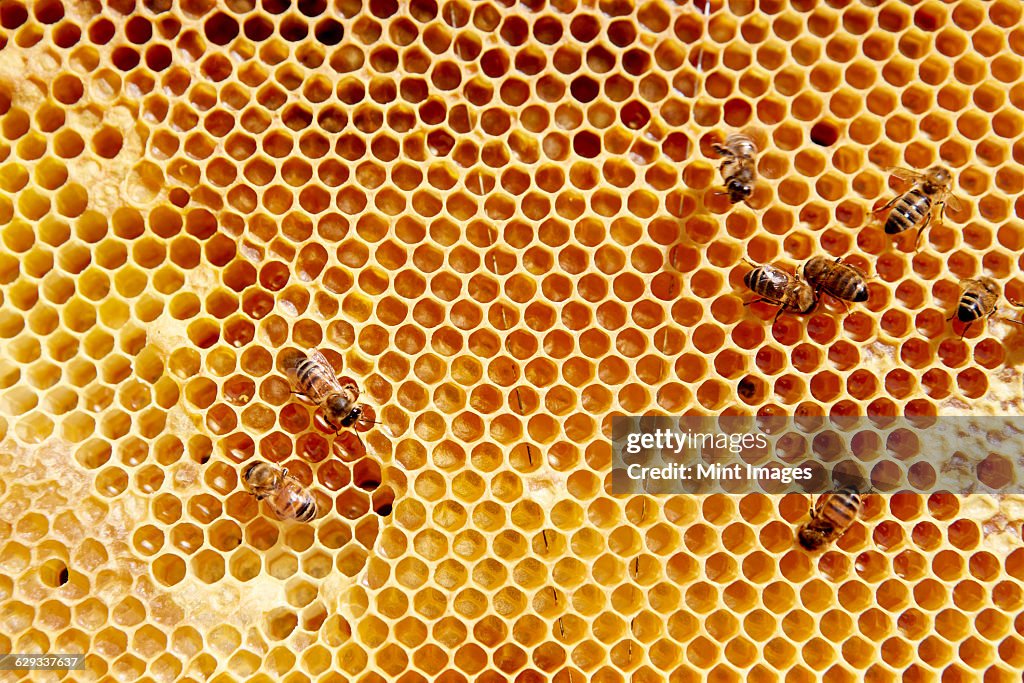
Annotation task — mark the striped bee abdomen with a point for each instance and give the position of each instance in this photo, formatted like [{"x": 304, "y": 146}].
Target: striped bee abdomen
[
  {"x": 840, "y": 509},
  {"x": 912, "y": 210},
  {"x": 970, "y": 308},
  {"x": 831, "y": 516},
  {"x": 307, "y": 510}
]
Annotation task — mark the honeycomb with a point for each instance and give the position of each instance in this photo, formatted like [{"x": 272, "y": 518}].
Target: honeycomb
[{"x": 501, "y": 220}]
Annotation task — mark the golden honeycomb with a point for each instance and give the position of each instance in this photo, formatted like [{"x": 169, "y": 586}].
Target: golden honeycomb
[{"x": 500, "y": 219}]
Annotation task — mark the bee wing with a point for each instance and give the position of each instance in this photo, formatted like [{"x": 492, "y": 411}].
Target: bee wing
[
  {"x": 318, "y": 391},
  {"x": 968, "y": 281},
  {"x": 854, "y": 268},
  {"x": 818, "y": 505},
  {"x": 953, "y": 202},
  {"x": 757, "y": 135},
  {"x": 292, "y": 373},
  {"x": 320, "y": 360},
  {"x": 907, "y": 174}
]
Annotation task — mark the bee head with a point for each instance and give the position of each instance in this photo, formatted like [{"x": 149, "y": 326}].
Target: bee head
[
  {"x": 805, "y": 300},
  {"x": 336, "y": 410},
  {"x": 815, "y": 267},
  {"x": 738, "y": 190},
  {"x": 810, "y": 539},
  {"x": 352, "y": 417}
]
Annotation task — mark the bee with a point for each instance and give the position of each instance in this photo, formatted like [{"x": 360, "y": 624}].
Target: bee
[
  {"x": 285, "y": 495},
  {"x": 978, "y": 298},
  {"x": 913, "y": 208},
  {"x": 738, "y": 166},
  {"x": 778, "y": 287},
  {"x": 313, "y": 379},
  {"x": 841, "y": 280},
  {"x": 831, "y": 516}
]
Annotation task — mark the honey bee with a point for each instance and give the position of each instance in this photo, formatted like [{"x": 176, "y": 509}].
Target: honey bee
[
  {"x": 285, "y": 495},
  {"x": 978, "y": 298},
  {"x": 841, "y": 280},
  {"x": 313, "y": 379},
  {"x": 739, "y": 154},
  {"x": 778, "y": 287},
  {"x": 831, "y": 516},
  {"x": 913, "y": 208}
]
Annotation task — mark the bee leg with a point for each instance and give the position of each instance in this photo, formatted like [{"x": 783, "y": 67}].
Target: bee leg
[
  {"x": 920, "y": 234},
  {"x": 284, "y": 471},
  {"x": 816, "y": 506},
  {"x": 753, "y": 301},
  {"x": 1018, "y": 305},
  {"x": 887, "y": 205},
  {"x": 779, "y": 313},
  {"x": 966, "y": 327}
]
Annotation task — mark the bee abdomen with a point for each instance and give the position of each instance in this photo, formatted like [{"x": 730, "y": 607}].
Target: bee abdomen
[
  {"x": 304, "y": 370},
  {"x": 970, "y": 307},
  {"x": 841, "y": 509},
  {"x": 766, "y": 283},
  {"x": 854, "y": 289},
  {"x": 911, "y": 210},
  {"x": 307, "y": 510}
]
